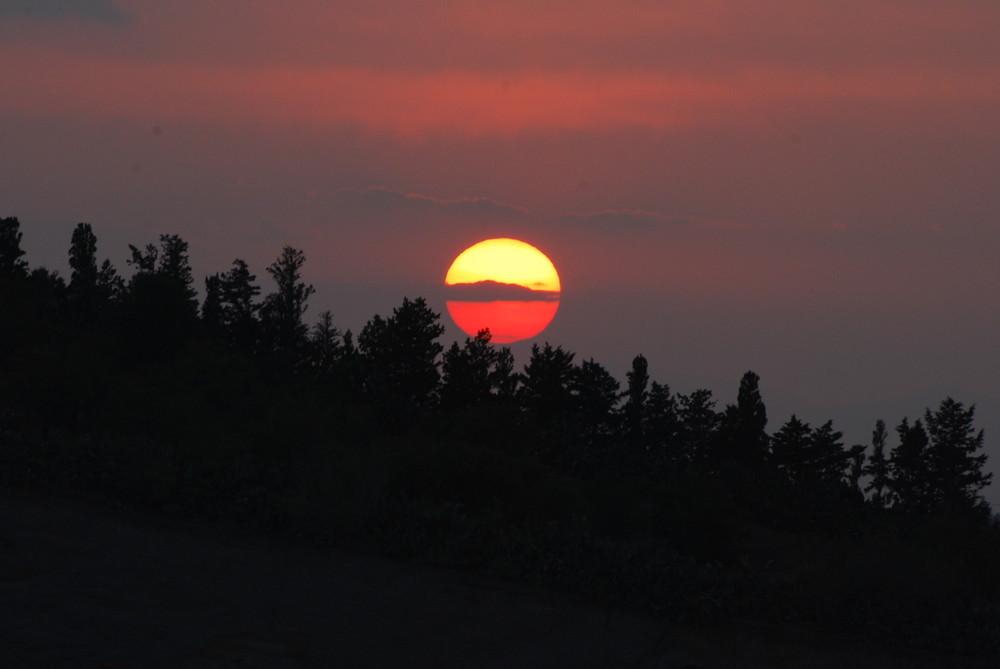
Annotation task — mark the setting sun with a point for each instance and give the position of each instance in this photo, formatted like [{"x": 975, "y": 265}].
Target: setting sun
[
  {"x": 505, "y": 285},
  {"x": 505, "y": 261}
]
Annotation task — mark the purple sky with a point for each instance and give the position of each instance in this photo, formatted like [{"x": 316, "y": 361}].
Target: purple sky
[{"x": 807, "y": 189}]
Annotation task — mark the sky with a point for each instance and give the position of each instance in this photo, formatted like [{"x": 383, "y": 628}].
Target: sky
[{"x": 807, "y": 189}]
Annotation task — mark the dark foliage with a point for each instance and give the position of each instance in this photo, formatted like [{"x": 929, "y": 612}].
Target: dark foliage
[
  {"x": 400, "y": 354},
  {"x": 910, "y": 479},
  {"x": 12, "y": 264},
  {"x": 284, "y": 330},
  {"x": 877, "y": 468},
  {"x": 644, "y": 498},
  {"x": 955, "y": 462},
  {"x": 476, "y": 373},
  {"x": 744, "y": 426}
]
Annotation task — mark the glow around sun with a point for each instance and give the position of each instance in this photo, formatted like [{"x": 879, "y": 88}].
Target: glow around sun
[
  {"x": 505, "y": 285},
  {"x": 504, "y": 260}
]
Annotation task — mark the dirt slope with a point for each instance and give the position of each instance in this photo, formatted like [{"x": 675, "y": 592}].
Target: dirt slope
[{"x": 86, "y": 585}]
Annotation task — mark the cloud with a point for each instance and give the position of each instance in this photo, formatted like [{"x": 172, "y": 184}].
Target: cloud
[
  {"x": 493, "y": 291},
  {"x": 634, "y": 220},
  {"x": 106, "y": 11},
  {"x": 684, "y": 36},
  {"x": 41, "y": 76},
  {"x": 380, "y": 199}
]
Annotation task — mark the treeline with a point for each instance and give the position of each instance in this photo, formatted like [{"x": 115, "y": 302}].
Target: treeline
[
  {"x": 238, "y": 406},
  {"x": 582, "y": 420}
]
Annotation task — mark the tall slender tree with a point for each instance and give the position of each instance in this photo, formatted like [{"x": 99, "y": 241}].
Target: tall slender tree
[
  {"x": 283, "y": 309},
  {"x": 83, "y": 260},
  {"x": 325, "y": 347},
  {"x": 634, "y": 409},
  {"x": 238, "y": 299},
  {"x": 856, "y": 468},
  {"x": 109, "y": 283},
  {"x": 211, "y": 307},
  {"x": 745, "y": 437},
  {"x": 85, "y": 293},
  {"x": 175, "y": 263},
  {"x": 663, "y": 430},
  {"x": 878, "y": 467},
  {"x": 699, "y": 427},
  {"x": 596, "y": 393},
  {"x": 910, "y": 479},
  {"x": 91, "y": 287}
]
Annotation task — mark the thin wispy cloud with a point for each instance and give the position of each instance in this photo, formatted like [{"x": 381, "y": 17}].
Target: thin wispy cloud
[
  {"x": 106, "y": 11},
  {"x": 621, "y": 220},
  {"x": 383, "y": 199}
]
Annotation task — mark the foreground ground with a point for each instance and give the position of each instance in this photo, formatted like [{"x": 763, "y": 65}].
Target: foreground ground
[{"x": 83, "y": 584}]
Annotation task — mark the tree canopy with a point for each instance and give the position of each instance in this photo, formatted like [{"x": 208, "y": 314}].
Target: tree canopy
[{"x": 553, "y": 469}]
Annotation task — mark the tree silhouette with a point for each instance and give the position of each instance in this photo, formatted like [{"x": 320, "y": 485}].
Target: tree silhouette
[
  {"x": 745, "y": 423},
  {"x": 175, "y": 264},
  {"x": 503, "y": 379},
  {"x": 143, "y": 260},
  {"x": 699, "y": 427},
  {"x": 634, "y": 409},
  {"x": 351, "y": 368},
  {"x": 476, "y": 372},
  {"x": 878, "y": 467},
  {"x": 547, "y": 400},
  {"x": 325, "y": 347},
  {"x": 83, "y": 259},
  {"x": 29, "y": 303},
  {"x": 229, "y": 312},
  {"x": 110, "y": 285},
  {"x": 85, "y": 292},
  {"x": 790, "y": 450},
  {"x": 91, "y": 288},
  {"x": 211, "y": 306},
  {"x": 283, "y": 309},
  {"x": 11, "y": 264},
  {"x": 170, "y": 262},
  {"x": 547, "y": 382},
  {"x": 401, "y": 356},
  {"x": 807, "y": 456},
  {"x": 856, "y": 469},
  {"x": 955, "y": 461},
  {"x": 160, "y": 307},
  {"x": 49, "y": 286},
  {"x": 812, "y": 465},
  {"x": 238, "y": 294},
  {"x": 910, "y": 480},
  {"x": 660, "y": 502},
  {"x": 596, "y": 393},
  {"x": 663, "y": 430},
  {"x": 828, "y": 460}
]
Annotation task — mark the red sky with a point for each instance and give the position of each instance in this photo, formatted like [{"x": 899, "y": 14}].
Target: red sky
[{"x": 807, "y": 189}]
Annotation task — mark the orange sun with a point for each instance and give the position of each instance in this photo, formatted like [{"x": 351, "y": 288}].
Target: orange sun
[{"x": 505, "y": 285}]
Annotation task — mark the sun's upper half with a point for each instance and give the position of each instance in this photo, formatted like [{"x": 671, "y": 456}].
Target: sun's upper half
[{"x": 505, "y": 261}]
